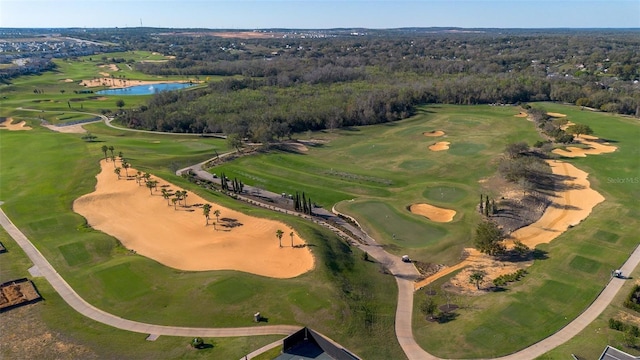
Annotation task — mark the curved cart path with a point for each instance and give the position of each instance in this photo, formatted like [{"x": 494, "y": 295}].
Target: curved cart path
[
  {"x": 405, "y": 274},
  {"x": 88, "y": 310}
]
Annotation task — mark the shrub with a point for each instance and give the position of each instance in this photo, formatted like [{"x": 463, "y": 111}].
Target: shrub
[
  {"x": 616, "y": 324},
  {"x": 633, "y": 299},
  {"x": 503, "y": 280}
]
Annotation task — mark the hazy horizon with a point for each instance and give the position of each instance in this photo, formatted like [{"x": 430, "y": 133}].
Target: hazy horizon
[{"x": 321, "y": 15}]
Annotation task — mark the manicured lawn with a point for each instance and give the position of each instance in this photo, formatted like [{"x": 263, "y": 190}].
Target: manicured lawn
[
  {"x": 43, "y": 172},
  {"x": 389, "y": 167},
  {"x": 579, "y": 264}
]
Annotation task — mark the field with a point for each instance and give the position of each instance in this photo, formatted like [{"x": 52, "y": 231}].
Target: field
[
  {"x": 386, "y": 168},
  {"x": 376, "y": 172},
  {"x": 372, "y": 173},
  {"x": 43, "y": 167}
]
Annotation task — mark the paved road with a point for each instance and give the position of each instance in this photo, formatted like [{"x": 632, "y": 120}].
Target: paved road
[{"x": 88, "y": 310}]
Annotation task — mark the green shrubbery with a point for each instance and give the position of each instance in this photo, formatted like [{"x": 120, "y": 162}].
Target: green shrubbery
[
  {"x": 633, "y": 300},
  {"x": 633, "y": 330},
  {"x": 503, "y": 280}
]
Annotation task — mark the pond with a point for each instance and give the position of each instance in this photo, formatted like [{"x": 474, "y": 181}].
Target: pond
[{"x": 147, "y": 89}]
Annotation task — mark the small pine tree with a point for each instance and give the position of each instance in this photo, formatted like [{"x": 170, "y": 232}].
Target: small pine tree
[
  {"x": 494, "y": 209},
  {"x": 486, "y": 206}
]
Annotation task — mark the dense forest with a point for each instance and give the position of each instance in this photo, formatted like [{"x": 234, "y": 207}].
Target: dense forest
[{"x": 274, "y": 86}]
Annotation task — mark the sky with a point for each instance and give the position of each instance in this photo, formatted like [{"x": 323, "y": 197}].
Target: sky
[{"x": 320, "y": 14}]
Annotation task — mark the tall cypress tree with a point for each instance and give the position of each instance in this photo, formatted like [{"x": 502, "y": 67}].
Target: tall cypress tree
[{"x": 486, "y": 206}]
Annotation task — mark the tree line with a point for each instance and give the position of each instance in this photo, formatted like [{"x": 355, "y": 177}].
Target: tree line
[{"x": 274, "y": 87}]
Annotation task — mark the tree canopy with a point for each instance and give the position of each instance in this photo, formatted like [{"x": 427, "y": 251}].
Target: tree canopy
[{"x": 488, "y": 239}]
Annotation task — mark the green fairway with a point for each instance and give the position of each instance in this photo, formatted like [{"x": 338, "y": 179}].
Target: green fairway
[
  {"x": 579, "y": 263},
  {"x": 44, "y": 171},
  {"x": 372, "y": 173},
  {"x": 389, "y": 167},
  {"x": 407, "y": 231}
]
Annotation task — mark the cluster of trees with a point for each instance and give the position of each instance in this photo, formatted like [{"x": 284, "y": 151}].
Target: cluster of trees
[
  {"x": 487, "y": 207},
  {"x": 236, "y": 185},
  {"x": 522, "y": 167},
  {"x": 279, "y": 86},
  {"x": 302, "y": 203}
]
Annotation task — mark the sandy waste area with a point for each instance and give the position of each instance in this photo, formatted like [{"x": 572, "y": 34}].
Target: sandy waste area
[{"x": 178, "y": 237}]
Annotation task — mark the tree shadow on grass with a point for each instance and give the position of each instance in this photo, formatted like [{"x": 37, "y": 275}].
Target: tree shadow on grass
[{"x": 446, "y": 317}]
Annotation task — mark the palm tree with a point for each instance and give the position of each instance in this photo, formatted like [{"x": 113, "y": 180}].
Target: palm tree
[
  {"x": 104, "y": 149},
  {"x": 291, "y": 234},
  {"x": 184, "y": 197},
  {"x": 279, "y": 234},
  {"x": 178, "y": 195},
  {"x": 175, "y": 201},
  {"x": 217, "y": 214},
  {"x": 117, "y": 171},
  {"x": 151, "y": 184},
  {"x": 126, "y": 166},
  {"x": 206, "y": 209},
  {"x": 111, "y": 148},
  {"x": 139, "y": 177},
  {"x": 113, "y": 160},
  {"x": 166, "y": 195}
]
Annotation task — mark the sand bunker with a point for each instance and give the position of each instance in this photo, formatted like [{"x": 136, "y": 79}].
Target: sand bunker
[
  {"x": 434, "y": 133},
  {"x": 569, "y": 207},
  {"x": 521, "y": 115},
  {"x": 69, "y": 129},
  {"x": 440, "y": 146},
  {"x": 433, "y": 213},
  {"x": 179, "y": 238},
  {"x": 9, "y": 125},
  {"x": 556, "y": 115},
  {"x": 595, "y": 147},
  {"x": 67, "y": 80}
]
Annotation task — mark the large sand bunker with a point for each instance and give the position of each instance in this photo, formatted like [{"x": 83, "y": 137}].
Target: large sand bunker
[
  {"x": 594, "y": 147},
  {"x": 433, "y": 213},
  {"x": 556, "y": 115},
  {"x": 440, "y": 146},
  {"x": 434, "y": 133},
  {"x": 179, "y": 238},
  {"x": 570, "y": 206},
  {"x": 9, "y": 125}
]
